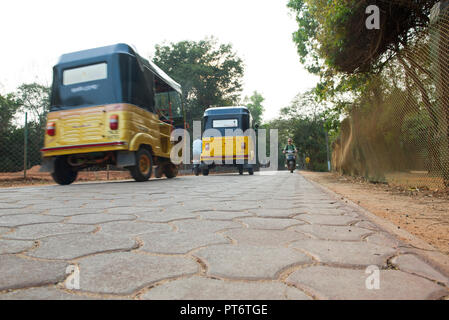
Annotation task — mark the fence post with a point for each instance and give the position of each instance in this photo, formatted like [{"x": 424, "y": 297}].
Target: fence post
[
  {"x": 327, "y": 151},
  {"x": 25, "y": 147},
  {"x": 437, "y": 19}
]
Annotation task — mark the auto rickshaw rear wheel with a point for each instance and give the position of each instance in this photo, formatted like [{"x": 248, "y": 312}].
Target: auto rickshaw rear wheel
[
  {"x": 240, "y": 169},
  {"x": 63, "y": 172},
  {"x": 144, "y": 165},
  {"x": 170, "y": 170},
  {"x": 251, "y": 171},
  {"x": 196, "y": 170},
  {"x": 205, "y": 172}
]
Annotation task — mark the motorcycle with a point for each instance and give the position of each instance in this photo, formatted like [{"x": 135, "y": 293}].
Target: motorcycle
[{"x": 291, "y": 160}]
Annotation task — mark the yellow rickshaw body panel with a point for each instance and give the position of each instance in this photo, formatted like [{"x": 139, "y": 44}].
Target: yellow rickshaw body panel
[
  {"x": 226, "y": 148},
  {"x": 84, "y": 130}
]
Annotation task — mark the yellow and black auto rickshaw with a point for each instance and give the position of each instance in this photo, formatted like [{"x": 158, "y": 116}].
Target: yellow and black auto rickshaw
[
  {"x": 111, "y": 106},
  {"x": 226, "y": 141}
]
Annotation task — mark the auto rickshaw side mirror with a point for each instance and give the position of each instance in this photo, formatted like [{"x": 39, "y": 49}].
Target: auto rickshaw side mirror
[{"x": 256, "y": 126}]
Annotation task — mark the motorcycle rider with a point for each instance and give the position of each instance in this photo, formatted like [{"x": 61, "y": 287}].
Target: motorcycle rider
[
  {"x": 291, "y": 162},
  {"x": 290, "y": 146}
]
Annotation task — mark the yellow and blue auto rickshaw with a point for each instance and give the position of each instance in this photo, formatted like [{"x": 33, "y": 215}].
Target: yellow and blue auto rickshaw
[
  {"x": 226, "y": 141},
  {"x": 111, "y": 106}
]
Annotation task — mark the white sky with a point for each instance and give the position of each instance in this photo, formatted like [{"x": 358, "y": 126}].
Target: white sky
[{"x": 35, "y": 33}]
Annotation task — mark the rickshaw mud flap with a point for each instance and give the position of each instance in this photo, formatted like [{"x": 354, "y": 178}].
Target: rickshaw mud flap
[
  {"x": 48, "y": 165},
  {"x": 126, "y": 158}
]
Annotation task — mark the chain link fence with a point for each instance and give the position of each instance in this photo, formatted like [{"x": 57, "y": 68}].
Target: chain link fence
[
  {"x": 20, "y": 156},
  {"x": 398, "y": 131},
  {"x": 20, "y": 148}
]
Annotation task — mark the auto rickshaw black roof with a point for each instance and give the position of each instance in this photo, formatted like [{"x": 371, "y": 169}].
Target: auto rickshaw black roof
[
  {"x": 77, "y": 57},
  {"x": 226, "y": 110}
]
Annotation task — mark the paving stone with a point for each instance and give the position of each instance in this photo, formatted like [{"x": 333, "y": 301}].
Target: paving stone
[
  {"x": 228, "y": 206},
  {"x": 276, "y": 213},
  {"x": 24, "y": 219},
  {"x": 326, "y": 211},
  {"x": 178, "y": 242},
  {"x": 222, "y": 215},
  {"x": 14, "y": 246},
  {"x": 270, "y": 223},
  {"x": 326, "y": 219},
  {"x": 338, "y": 283},
  {"x": 279, "y": 204},
  {"x": 71, "y": 246},
  {"x": 132, "y": 228},
  {"x": 48, "y": 205},
  {"x": 5, "y": 205},
  {"x": 249, "y": 262},
  {"x": 129, "y": 210},
  {"x": 319, "y": 205},
  {"x": 4, "y": 230},
  {"x": 126, "y": 272},
  {"x": 43, "y": 293},
  {"x": 66, "y": 212},
  {"x": 101, "y": 204},
  {"x": 42, "y": 230},
  {"x": 333, "y": 232},
  {"x": 8, "y": 212},
  {"x": 100, "y": 218},
  {"x": 383, "y": 239},
  {"x": 367, "y": 225},
  {"x": 412, "y": 264},
  {"x": 165, "y": 215},
  {"x": 18, "y": 272},
  {"x": 345, "y": 253},
  {"x": 200, "y": 288},
  {"x": 205, "y": 226},
  {"x": 276, "y": 238}
]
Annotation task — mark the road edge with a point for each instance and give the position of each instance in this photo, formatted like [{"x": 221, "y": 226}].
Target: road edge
[{"x": 430, "y": 254}]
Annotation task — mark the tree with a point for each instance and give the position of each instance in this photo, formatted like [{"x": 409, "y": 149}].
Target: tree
[
  {"x": 210, "y": 73},
  {"x": 35, "y": 99},
  {"x": 254, "y": 105},
  {"x": 8, "y": 108},
  {"x": 333, "y": 42},
  {"x": 304, "y": 121},
  {"x": 331, "y": 31}
]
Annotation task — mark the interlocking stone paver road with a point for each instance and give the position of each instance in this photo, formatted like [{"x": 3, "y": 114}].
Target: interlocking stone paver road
[{"x": 273, "y": 235}]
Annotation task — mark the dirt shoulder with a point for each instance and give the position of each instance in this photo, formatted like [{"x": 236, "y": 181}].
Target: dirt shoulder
[{"x": 424, "y": 214}]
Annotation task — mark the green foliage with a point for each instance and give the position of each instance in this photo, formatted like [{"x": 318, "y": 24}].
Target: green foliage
[
  {"x": 334, "y": 43},
  {"x": 254, "y": 105},
  {"x": 8, "y": 108},
  {"x": 332, "y": 33},
  {"x": 209, "y": 73},
  {"x": 31, "y": 98},
  {"x": 304, "y": 121},
  {"x": 34, "y": 98}
]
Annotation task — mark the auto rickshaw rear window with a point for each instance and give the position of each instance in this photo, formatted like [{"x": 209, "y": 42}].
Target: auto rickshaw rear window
[
  {"x": 225, "y": 123},
  {"x": 83, "y": 74}
]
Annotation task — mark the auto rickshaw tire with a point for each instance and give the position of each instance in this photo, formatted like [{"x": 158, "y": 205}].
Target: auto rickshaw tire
[
  {"x": 196, "y": 171},
  {"x": 170, "y": 170},
  {"x": 144, "y": 166},
  {"x": 251, "y": 171},
  {"x": 63, "y": 173},
  {"x": 205, "y": 172},
  {"x": 240, "y": 170}
]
